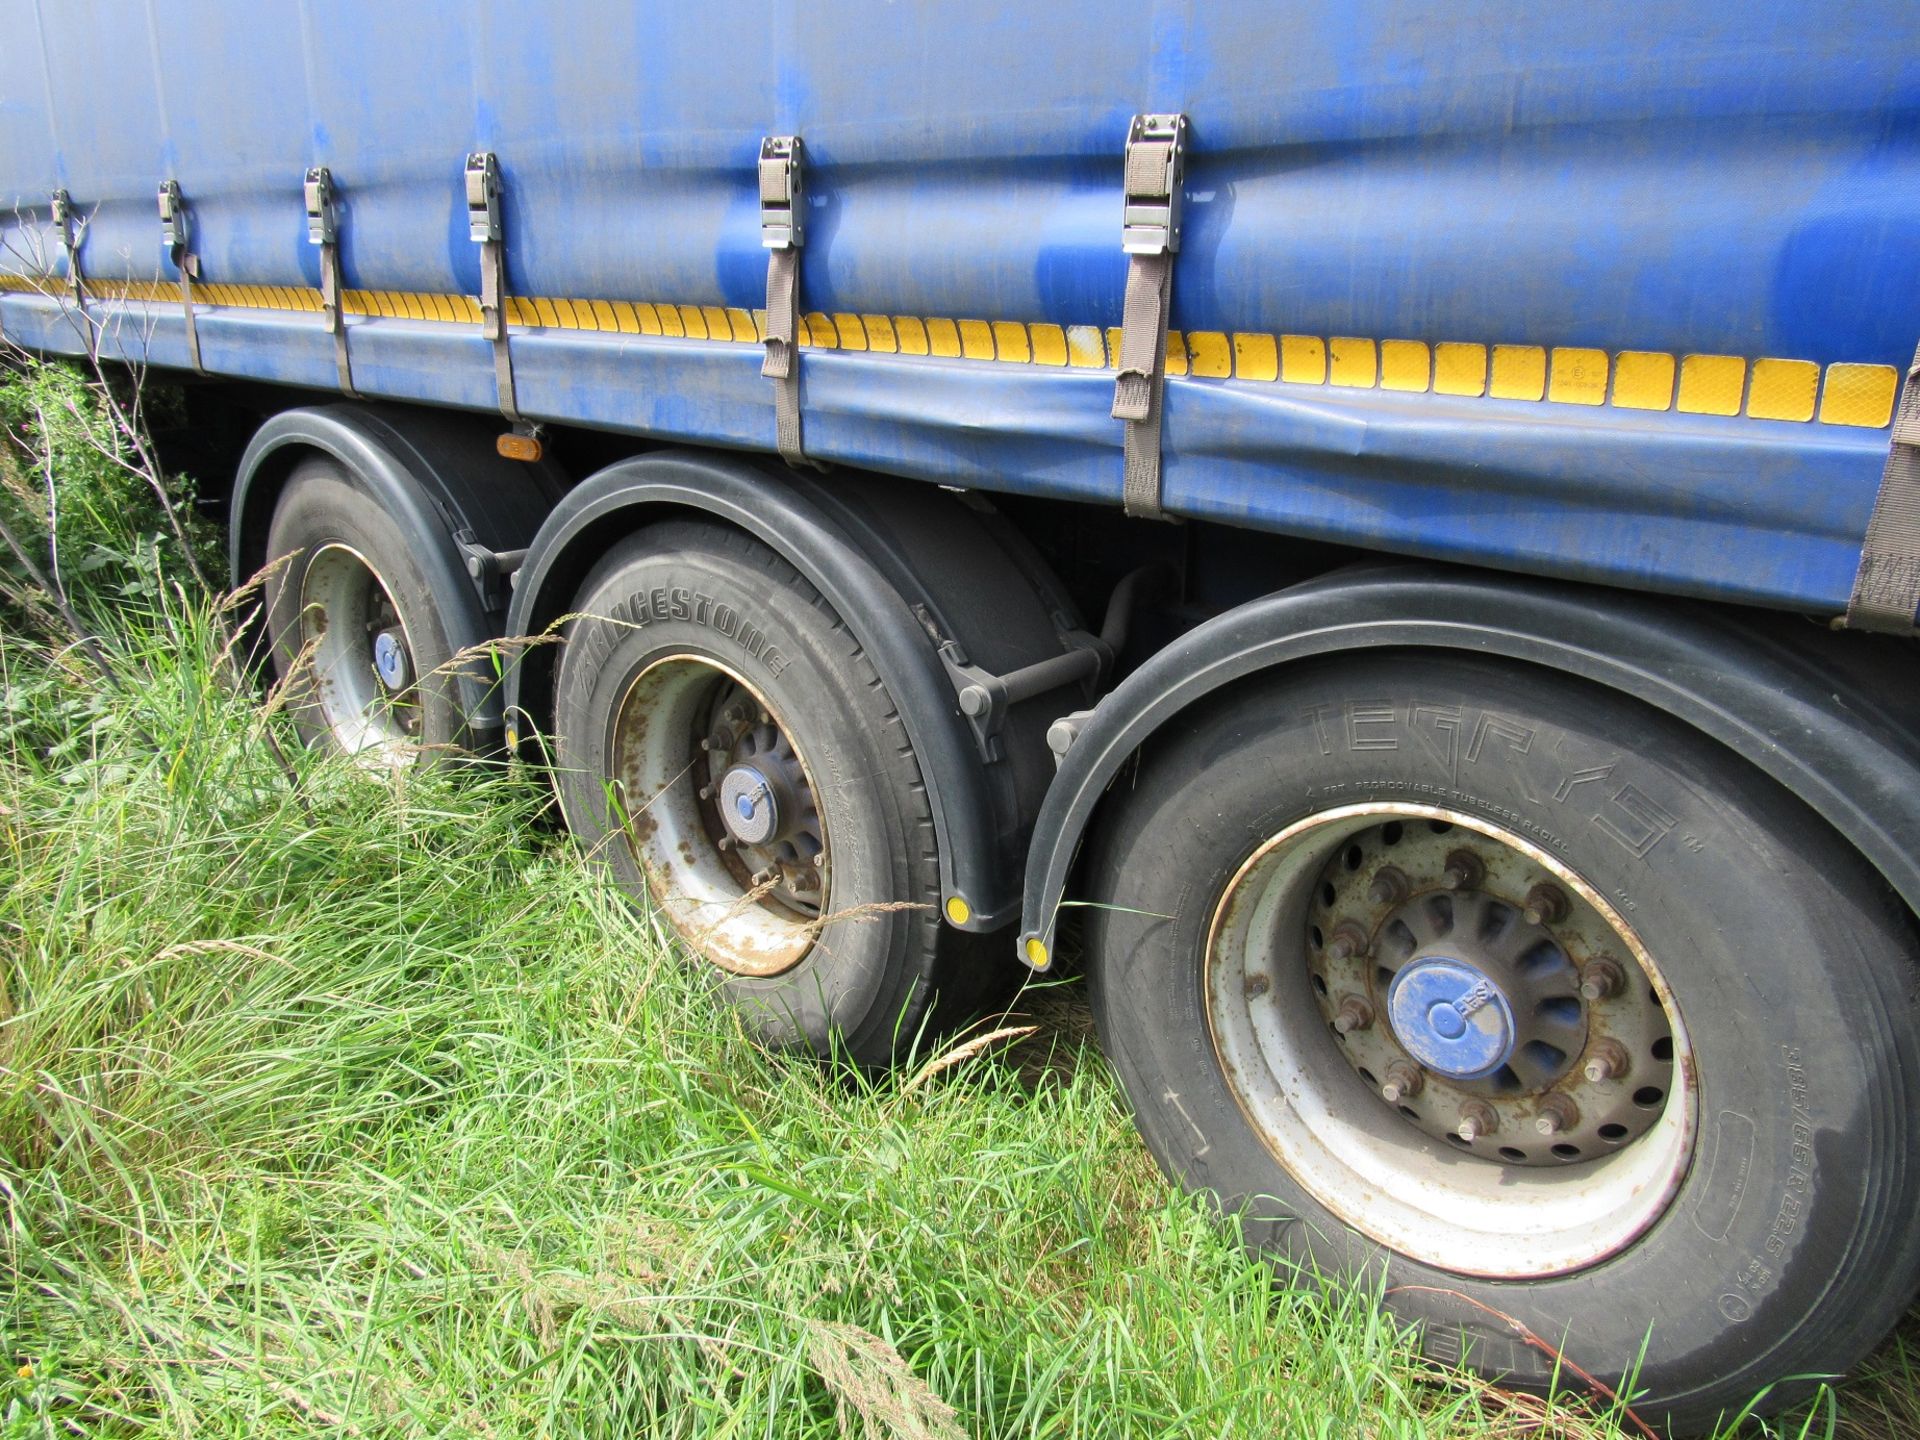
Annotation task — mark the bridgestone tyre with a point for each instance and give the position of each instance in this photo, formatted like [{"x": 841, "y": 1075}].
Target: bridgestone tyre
[
  {"x": 343, "y": 553},
  {"x": 1788, "y": 1246},
  {"x": 875, "y": 971}
]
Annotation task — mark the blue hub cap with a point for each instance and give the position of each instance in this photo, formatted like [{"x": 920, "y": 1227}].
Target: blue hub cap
[
  {"x": 747, "y": 805},
  {"x": 390, "y": 659},
  {"x": 1451, "y": 1017}
]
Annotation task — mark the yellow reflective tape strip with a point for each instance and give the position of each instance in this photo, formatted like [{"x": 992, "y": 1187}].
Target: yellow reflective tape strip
[{"x": 1768, "y": 388}]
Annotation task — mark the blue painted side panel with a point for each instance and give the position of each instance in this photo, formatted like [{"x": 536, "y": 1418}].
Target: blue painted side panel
[{"x": 1691, "y": 178}]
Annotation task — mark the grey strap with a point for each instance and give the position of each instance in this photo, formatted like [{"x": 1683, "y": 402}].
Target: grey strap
[
  {"x": 1886, "y": 588},
  {"x": 1143, "y": 377},
  {"x": 323, "y": 230},
  {"x": 70, "y": 248},
  {"x": 1150, "y": 235},
  {"x": 484, "y": 227},
  {"x": 176, "y": 236},
  {"x": 781, "y": 365},
  {"x": 783, "y": 219}
]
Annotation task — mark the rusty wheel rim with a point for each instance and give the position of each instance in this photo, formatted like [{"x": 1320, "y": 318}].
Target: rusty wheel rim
[
  {"x": 1456, "y": 1044},
  {"x": 717, "y": 802},
  {"x": 364, "y": 684}
]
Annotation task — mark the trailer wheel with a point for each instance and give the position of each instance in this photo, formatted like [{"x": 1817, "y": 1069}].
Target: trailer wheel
[
  {"x": 1530, "y": 1006},
  {"x": 724, "y": 746},
  {"x": 357, "y": 639}
]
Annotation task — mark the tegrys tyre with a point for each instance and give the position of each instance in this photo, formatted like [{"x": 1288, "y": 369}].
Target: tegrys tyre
[
  {"x": 1533, "y": 1008},
  {"x": 356, "y": 637},
  {"x": 723, "y": 744}
]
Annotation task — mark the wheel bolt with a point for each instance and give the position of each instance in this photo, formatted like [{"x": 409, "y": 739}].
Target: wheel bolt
[
  {"x": 725, "y": 842},
  {"x": 1546, "y": 905},
  {"x": 1607, "y": 1060},
  {"x": 1389, "y": 886},
  {"x": 1464, "y": 871},
  {"x": 1353, "y": 1014},
  {"x": 1556, "y": 1113},
  {"x": 1601, "y": 979},
  {"x": 1403, "y": 1082},
  {"x": 820, "y": 858},
  {"x": 1477, "y": 1121},
  {"x": 1348, "y": 940},
  {"x": 763, "y": 877},
  {"x": 735, "y": 714},
  {"x": 1256, "y": 986},
  {"x": 706, "y": 792}
]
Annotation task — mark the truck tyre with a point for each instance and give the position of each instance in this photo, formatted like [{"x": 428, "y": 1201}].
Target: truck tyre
[
  {"x": 1533, "y": 1008},
  {"x": 725, "y": 747},
  {"x": 357, "y": 641}
]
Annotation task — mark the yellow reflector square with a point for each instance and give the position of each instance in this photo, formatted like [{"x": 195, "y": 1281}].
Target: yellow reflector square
[
  {"x": 1303, "y": 359},
  {"x": 1711, "y": 384},
  {"x": 1255, "y": 357},
  {"x": 1859, "y": 395},
  {"x": 1209, "y": 354},
  {"x": 1579, "y": 377},
  {"x": 1405, "y": 365},
  {"x": 1519, "y": 372},
  {"x": 1643, "y": 380},
  {"x": 1459, "y": 369},
  {"x": 1783, "y": 389},
  {"x": 1049, "y": 344},
  {"x": 1352, "y": 362}
]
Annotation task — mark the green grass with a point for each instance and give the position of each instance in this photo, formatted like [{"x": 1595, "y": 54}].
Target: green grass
[{"x": 338, "y": 1104}]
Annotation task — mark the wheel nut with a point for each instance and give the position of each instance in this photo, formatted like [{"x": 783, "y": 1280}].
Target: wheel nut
[
  {"x": 1601, "y": 979},
  {"x": 1353, "y": 1014},
  {"x": 1477, "y": 1121},
  {"x": 1607, "y": 1060},
  {"x": 725, "y": 842},
  {"x": 1546, "y": 905},
  {"x": 1348, "y": 940},
  {"x": 763, "y": 877},
  {"x": 1256, "y": 986},
  {"x": 1389, "y": 886},
  {"x": 1464, "y": 871},
  {"x": 1556, "y": 1113},
  {"x": 706, "y": 792},
  {"x": 1403, "y": 1082}
]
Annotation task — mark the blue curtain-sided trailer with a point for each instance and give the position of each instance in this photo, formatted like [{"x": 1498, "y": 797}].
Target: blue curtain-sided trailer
[{"x": 1455, "y": 465}]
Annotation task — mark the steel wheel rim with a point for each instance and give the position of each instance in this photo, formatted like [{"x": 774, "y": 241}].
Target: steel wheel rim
[
  {"x": 719, "y": 808},
  {"x": 1457, "y": 1207},
  {"x": 360, "y": 655}
]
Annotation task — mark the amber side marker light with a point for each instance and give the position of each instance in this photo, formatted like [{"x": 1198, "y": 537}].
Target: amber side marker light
[{"x": 515, "y": 446}]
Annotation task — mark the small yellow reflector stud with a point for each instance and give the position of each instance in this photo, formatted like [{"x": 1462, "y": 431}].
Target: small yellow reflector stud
[
  {"x": 958, "y": 911},
  {"x": 1037, "y": 955},
  {"x": 519, "y": 447}
]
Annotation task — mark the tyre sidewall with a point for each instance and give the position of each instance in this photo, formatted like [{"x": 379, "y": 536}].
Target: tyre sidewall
[
  {"x": 1788, "y": 1048},
  {"x": 320, "y": 506}
]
